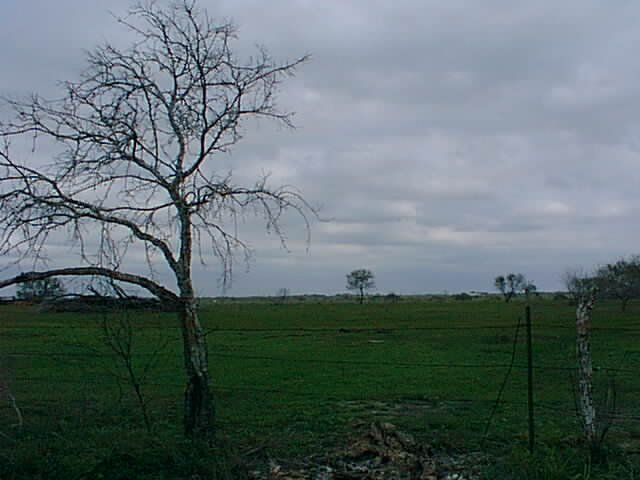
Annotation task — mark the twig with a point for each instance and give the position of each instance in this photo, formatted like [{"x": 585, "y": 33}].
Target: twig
[{"x": 16, "y": 409}]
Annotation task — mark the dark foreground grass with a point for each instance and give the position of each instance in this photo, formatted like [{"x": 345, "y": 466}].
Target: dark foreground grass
[{"x": 292, "y": 380}]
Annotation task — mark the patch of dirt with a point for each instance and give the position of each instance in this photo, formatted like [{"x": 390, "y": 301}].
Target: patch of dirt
[
  {"x": 404, "y": 408},
  {"x": 382, "y": 452}
]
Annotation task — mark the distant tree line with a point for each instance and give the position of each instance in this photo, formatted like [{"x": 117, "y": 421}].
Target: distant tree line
[{"x": 40, "y": 290}]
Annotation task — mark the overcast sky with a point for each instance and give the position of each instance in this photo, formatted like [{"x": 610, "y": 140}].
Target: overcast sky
[{"x": 446, "y": 142}]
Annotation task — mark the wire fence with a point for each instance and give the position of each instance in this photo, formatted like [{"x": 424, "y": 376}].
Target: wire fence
[{"x": 468, "y": 375}]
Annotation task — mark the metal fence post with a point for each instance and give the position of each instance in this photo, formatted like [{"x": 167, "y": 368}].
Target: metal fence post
[{"x": 530, "y": 378}]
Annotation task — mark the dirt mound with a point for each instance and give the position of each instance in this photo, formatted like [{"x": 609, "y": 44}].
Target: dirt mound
[{"x": 381, "y": 453}]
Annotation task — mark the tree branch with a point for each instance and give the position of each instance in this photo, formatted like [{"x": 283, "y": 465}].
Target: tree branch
[{"x": 152, "y": 287}]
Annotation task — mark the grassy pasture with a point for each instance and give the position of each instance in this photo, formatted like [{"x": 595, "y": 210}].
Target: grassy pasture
[{"x": 297, "y": 378}]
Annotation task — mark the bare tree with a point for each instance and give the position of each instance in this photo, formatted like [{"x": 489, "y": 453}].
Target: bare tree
[
  {"x": 361, "y": 280},
  {"x": 135, "y": 140}
]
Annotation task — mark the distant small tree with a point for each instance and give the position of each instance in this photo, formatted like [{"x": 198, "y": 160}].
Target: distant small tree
[
  {"x": 361, "y": 280},
  {"x": 620, "y": 280},
  {"x": 39, "y": 290},
  {"x": 513, "y": 284},
  {"x": 501, "y": 285}
]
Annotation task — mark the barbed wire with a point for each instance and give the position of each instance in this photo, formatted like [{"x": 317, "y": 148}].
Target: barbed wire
[
  {"x": 343, "y": 330},
  {"x": 325, "y": 361},
  {"x": 305, "y": 392}
]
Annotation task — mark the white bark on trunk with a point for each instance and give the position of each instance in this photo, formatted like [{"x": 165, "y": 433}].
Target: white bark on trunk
[
  {"x": 198, "y": 400},
  {"x": 586, "y": 408}
]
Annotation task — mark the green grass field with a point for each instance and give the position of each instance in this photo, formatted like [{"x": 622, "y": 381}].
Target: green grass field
[{"x": 299, "y": 378}]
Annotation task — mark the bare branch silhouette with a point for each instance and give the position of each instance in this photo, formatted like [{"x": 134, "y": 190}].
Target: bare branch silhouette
[{"x": 134, "y": 145}]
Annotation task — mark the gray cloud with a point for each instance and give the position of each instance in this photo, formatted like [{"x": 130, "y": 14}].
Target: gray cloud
[{"x": 445, "y": 141}]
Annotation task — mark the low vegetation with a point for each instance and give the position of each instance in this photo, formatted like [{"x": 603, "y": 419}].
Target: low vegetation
[{"x": 298, "y": 379}]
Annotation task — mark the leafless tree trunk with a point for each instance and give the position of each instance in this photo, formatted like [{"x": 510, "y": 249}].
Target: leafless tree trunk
[
  {"x": 583, "y": 289},
  {"x": 586, "y": 406},
  {"x": 198, "y": 401},
  {"x": 135, "y": 141}
]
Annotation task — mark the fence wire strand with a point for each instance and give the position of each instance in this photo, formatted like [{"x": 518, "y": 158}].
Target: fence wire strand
[{"x": 26, "y": 373}]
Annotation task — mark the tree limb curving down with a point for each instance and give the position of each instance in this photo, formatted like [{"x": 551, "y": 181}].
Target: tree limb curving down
[{"x": 130, "y": 152}]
